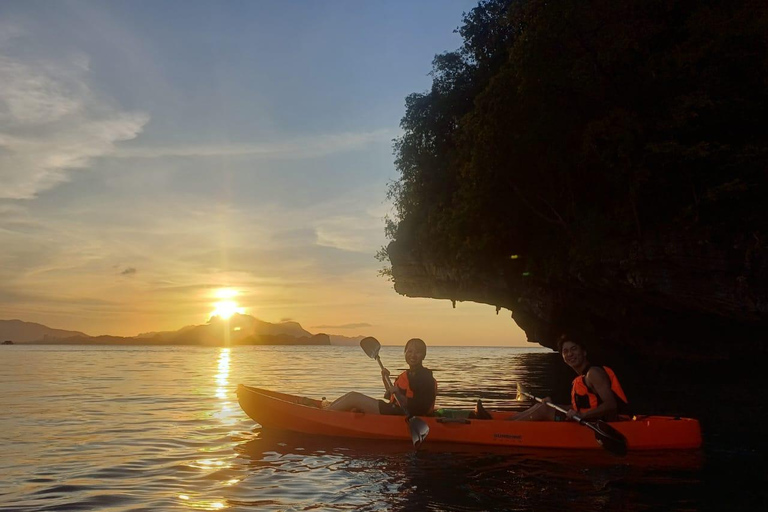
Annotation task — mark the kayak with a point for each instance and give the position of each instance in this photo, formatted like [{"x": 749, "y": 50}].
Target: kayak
[{"x": 273, "y": 410}]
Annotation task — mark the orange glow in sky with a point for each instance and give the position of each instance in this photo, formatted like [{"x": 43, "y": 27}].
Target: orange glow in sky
[{"x": 124, "y": 212}]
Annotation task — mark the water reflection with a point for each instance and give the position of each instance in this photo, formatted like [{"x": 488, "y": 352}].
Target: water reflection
[
  {"x": 217, "y": 468},
  {"x": 301, "y": 472},
  {"x": 221, "y": 377},
  {"x": 229, "y": 410},
  {"x": 159, "y": 428},
  {"x": 348, "y": 473},
  {"x": 463, "y": 377},
  {"x": 201, "y": 504}
]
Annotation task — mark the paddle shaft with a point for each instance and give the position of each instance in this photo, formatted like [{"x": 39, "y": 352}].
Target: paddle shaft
[
  {"x": 387, "y": 381},
  {"x": 554, "y": 406},
  {"x": 610, "y": 438}
]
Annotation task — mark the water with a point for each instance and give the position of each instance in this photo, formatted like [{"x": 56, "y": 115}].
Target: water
[{"x": 139, "y": 428}]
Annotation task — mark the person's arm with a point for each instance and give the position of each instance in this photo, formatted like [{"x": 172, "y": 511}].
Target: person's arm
[
  {"x": 423, "y": 386},
  {"x": 598, "y": 381}
]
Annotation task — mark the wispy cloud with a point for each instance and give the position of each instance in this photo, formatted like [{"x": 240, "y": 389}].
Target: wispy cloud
[
  {"x": 51, "y": 121},
  {"x": 299, "y": 148},
  {"x": 342, "y": 326},
  {"x": 353, "y": 223}
]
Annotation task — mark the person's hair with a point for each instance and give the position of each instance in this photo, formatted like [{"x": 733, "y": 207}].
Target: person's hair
[
  {"x": 417, "y": 341},
  {"x": 563, "y": 338}
]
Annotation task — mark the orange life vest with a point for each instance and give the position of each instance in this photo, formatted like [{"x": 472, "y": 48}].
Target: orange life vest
[
  {"x": 404, "y": 386},
  {"x": 582, "y": 398}
]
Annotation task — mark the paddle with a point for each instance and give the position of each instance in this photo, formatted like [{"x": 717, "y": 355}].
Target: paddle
[
  {"x": 607, "y": 436},
  {"x": 418, "y": 427}
]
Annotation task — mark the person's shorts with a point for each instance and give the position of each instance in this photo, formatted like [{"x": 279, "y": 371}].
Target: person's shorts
[{"x": 390, "y": 409}]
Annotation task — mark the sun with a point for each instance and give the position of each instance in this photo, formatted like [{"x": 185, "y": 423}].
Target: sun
[{"x": 227, "y": 307}]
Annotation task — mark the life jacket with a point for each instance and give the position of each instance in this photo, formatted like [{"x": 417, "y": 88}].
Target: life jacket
[
  {"x": 582, "y": 398},
  {"x": 403, "y": 385}
]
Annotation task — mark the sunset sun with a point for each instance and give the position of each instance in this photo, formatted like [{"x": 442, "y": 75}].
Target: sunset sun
[{"x": 226, "y": 307}]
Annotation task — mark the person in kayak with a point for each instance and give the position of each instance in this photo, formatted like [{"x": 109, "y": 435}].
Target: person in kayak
[
  {"x": 596, "y": 393},
  {"x": 416, "y": 384}
]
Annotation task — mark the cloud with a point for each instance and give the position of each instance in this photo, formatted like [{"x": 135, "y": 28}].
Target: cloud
[
  {"x": 345, "y": 233},
  {"x": 343, "y": 326},
  {"x": 9, "y": 32},
  {"x": 299, "y": 148},
  {"x": 128, "y": 271},
  {"x": 8, "y": 209},
  {"x": 356, "y": 225},
  {"x": 51, "y": 121}
]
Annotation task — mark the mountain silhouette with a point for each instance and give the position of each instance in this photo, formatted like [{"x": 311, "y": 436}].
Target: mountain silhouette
[
  {"x": 23, "y": 332},
  {"x": 239, "y": 329}
]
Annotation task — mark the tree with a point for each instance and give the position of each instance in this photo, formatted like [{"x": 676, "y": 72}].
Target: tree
[{"x": 559, "y": 128}]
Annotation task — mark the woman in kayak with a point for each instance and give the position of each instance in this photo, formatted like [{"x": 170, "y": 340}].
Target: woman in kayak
[
  {"x": 416, "y": 386},
  {"x": 595, "y": 394}
]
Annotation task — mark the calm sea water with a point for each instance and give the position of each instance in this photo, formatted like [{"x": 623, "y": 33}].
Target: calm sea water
[{"x": 154, "y": 429}]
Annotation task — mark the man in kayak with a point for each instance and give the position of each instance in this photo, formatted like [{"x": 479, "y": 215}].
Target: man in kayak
[
  {"x": 596, "y": 393},
  {"x": 416, "y": 384}
]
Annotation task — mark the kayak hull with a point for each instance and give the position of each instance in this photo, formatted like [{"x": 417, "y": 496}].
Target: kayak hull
[{"x": 299, "y": 414}]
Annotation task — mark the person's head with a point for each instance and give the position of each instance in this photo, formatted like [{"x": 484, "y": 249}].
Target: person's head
[
  {"x": 415, "y": 351},
  {"x": 573, "y": 351}
]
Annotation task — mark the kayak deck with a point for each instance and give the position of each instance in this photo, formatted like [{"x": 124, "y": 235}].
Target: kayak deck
[{"x": 304, "y": 415}]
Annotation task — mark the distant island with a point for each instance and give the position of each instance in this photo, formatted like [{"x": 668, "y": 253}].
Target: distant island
[{"x": 237, "y": 330}]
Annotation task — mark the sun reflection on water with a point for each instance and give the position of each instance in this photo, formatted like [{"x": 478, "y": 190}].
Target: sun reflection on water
[
  {"x": 221, "y": 377},
  {"x": 202, "y": 504},
  {"x": 225, "y": 411},
  {"x": 228, "y": 413}
]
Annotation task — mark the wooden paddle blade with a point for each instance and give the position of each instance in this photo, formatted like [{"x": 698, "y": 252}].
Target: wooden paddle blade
[
  {"x": 419, "y": 430},
  {"x": 609, "y": 438},
  {"x": 370, "y": 346}
]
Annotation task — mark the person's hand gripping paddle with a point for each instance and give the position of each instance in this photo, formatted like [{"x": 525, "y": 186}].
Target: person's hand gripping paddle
[
  {"x": 607, "y": 436},
  {"x": 418, "y": 427}
]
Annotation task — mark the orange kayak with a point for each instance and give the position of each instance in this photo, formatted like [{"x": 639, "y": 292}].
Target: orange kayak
[{"x": 304, "y": 415}]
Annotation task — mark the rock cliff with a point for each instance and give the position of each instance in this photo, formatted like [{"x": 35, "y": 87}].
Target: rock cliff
[{"x": 676, "y": 295}]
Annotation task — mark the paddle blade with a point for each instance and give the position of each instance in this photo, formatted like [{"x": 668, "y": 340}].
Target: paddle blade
[
  {"x": 419, "y": 430},
  {"x": 521, "y": 395},
  {"x": 370, "y": 346},
  {"x": 609, "y": 438}
]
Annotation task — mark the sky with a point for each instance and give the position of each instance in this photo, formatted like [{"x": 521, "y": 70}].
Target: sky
[{"x": 153, "y": 154}]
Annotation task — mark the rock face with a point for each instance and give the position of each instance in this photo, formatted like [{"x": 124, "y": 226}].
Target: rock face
[{"x": 675, "y": 295}]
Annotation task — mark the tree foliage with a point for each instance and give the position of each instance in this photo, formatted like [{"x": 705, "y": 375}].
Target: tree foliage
[{"x": 564, "y": 124}]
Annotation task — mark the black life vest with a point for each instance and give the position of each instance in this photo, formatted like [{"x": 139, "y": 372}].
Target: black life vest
[{"x": 403, "y": 385}]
